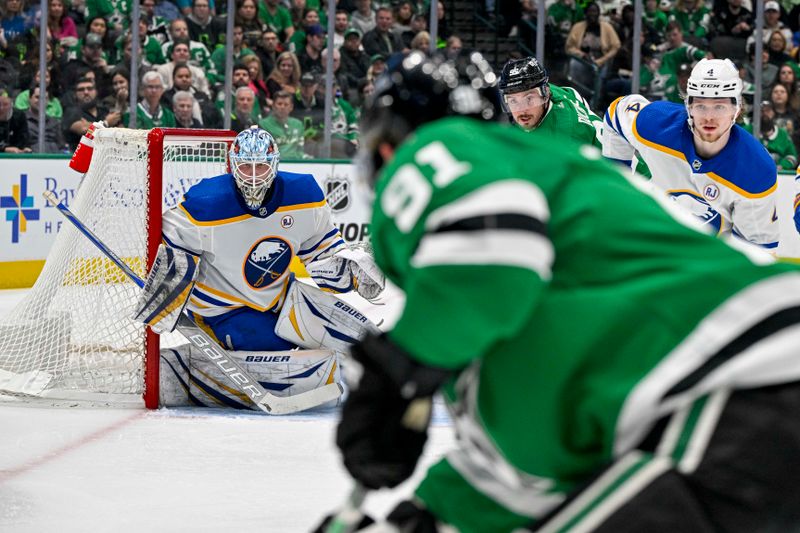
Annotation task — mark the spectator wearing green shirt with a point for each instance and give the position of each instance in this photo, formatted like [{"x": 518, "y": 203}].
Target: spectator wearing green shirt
[
  {"x": 298, "y": 40},
  {"x": 239, "y": 51},
  {"x": 661, "y": 75},
  {"x": 287, "y": 130},
  {"x": 775, "y": 139},
  {"x": 694, "y": 18},
  {"x": 53, "y": 107},
  {"x": 149, "y": 111},
  {"x": 277, "y": 18},
  {"x": 656, "y": 18},
  {"x": 344, "y": 126},
  {"x": 199, "y": 55},
  {"x": 562, "y": 15}
]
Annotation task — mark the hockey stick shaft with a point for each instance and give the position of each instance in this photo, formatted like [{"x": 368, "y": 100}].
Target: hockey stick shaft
[
  {"x": 242, "y": 379},
  {"x": 350, "y": 515}
]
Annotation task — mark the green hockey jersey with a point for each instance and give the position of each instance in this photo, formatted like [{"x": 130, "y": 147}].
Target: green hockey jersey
[
  {"x": 570, "y": 116},
  {"x": 780, "y": 146},
  {"x": 576, "y": 308}
]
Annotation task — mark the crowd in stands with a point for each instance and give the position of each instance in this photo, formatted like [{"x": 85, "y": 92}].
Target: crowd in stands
[
  {"x": 597, "y": 37},
  {"x": 280, "y": 52}
]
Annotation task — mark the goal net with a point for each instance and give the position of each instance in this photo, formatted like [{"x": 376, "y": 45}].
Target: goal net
[{"x": 72, "y": 337}]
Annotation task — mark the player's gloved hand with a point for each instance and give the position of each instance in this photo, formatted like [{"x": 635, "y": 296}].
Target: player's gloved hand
[
  {"x": 410, "y": 517},
  {"x": 325, "y": 525},
  {"x": 385, "y": 419}
]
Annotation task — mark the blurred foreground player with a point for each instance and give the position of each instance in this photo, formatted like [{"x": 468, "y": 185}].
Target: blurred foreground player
[{"x": 608, "y": 367}]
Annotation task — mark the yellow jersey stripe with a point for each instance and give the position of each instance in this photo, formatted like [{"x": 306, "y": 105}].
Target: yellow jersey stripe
[
  {"x": 301, "y": 206},
  {"x": 722, "y": 181}
]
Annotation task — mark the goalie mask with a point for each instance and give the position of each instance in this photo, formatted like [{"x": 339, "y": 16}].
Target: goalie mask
[
  {"x": 417, "y": 89},
  {"x": 526, "y": 94},
  {"x": 254, "y": 158}
]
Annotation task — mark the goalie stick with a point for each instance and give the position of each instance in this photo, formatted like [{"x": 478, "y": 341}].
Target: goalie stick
[{"x": 242, "y": 380}]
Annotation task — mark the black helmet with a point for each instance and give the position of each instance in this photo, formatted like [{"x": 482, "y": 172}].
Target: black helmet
[
  {"x": 521, "y": 75},
  {"x": 417, "y": 89}
]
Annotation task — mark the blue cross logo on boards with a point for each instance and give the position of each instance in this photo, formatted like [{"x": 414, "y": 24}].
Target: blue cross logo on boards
[{"x": 19, "y": 208}]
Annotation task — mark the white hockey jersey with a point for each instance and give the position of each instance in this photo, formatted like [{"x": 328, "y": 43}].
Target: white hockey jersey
[
  {"x": 733, "y": 192},
  {"x": 245, "y": 254}
]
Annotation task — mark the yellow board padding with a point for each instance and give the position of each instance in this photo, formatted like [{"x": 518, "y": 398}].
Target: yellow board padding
[{"x": 19, "y": 274}]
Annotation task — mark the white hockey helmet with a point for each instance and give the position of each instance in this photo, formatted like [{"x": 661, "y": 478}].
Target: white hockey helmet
[
  {"x": 254, "y": 158},
  {"x": 715, "y": 78}
]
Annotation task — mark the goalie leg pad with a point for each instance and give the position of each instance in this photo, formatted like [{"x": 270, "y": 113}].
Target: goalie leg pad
[
  {"x": 312, "y": 318},
  {"x": 166, "y": 290},
  {"x": 190, "y": 379}
]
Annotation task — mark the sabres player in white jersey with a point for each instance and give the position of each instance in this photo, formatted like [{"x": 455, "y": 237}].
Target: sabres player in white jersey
[
  {"x": 242, "y": 230},
  {"x": 698, "y": 155}
]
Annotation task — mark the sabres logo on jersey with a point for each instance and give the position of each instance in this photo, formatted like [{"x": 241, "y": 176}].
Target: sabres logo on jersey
[
  {"x": 266, "y": 261},
  {"x": 699, "y": 208}
]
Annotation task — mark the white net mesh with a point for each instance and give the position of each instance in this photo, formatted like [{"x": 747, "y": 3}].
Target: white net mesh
[{"x": 71, "y": 337}]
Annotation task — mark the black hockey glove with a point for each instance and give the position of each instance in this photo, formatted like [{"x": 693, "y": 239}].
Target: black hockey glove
[
  {"x": 409, "y": 517},
  {"x": 385, "y": 419}
]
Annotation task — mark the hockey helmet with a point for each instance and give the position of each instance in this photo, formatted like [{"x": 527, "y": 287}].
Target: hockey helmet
[
  {"x": 417, "y": 89},
  {"x": 715, "y": 78},
  {"x": 521, "y": 75},
  {"x": 254, "y": 159}
]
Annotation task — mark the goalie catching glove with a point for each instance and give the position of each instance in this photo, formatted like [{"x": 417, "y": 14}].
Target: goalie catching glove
[
  {"x": 166, "y": 290},
  {"x": 385, "y": 419},
  {"x": 352, "y": 268}
]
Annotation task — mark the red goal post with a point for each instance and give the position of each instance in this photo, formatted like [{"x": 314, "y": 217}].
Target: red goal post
[{"x": 71, "y": 338}]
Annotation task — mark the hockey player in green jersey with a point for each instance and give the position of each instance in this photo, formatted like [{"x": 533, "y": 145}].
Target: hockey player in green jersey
[
  {"x": 536, "y": 105},
  {"x": 608, "y": 366}
]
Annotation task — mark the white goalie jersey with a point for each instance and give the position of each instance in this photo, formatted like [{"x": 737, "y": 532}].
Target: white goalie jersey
[
  {"x": 246, "y": 254},
  {"x": 733, "y": 192}
]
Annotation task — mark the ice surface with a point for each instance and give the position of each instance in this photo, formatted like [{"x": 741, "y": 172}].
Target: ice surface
[{"x": 172, "y": 470}]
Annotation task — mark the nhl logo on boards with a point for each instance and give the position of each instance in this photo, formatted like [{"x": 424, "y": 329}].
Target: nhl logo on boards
[
  {"x": 696, "y": 164},
  {"x": 710, "y": 192},
  {"x": 337, "y": 193},
  {"x": 287, "y": 221}
]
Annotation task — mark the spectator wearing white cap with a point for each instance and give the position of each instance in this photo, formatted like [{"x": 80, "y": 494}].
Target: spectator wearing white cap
[{"x": 772, "y": 23}]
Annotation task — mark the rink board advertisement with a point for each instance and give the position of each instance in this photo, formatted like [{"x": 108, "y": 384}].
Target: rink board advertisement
[{"x": 28, "y": 225}]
